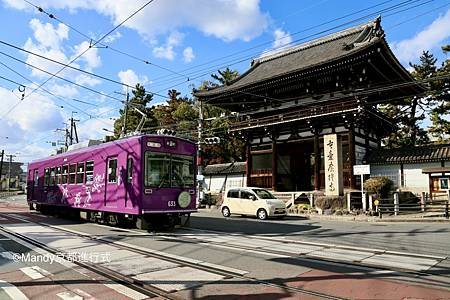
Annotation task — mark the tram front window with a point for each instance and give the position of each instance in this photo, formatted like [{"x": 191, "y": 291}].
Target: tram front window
[
  {"x": 157, "y": 168},
  {"x": 165, "y": 170}
]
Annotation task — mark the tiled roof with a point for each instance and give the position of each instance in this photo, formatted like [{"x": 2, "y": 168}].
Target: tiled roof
[
  {"x": 229, "y": 168},
  {"x": 305, "y": 56},
  {"x": 428, "y": 153}
]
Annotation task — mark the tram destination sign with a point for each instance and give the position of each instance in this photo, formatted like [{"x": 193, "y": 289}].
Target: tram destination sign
[{"x": 361, "y": 169}]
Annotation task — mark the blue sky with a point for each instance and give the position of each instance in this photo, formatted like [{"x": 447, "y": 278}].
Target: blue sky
[{"x": 191, "y": 38}]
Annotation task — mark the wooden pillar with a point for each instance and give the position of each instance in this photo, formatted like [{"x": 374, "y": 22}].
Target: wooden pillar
[
  {"x": 317, "y": 161},
  {"x": 274, "y": 163},
  {"x": 352, "y": 156},
  {"x": 248, "y": 155}
]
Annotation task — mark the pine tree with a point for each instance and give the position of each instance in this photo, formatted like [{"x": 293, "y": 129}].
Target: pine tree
[
  {"x": 440, "y": 119},
  {"x": 139, "y": 101},
  {"x": 410, "y": 112}
]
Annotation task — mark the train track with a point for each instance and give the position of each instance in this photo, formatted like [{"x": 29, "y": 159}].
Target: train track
[{"x": 145, "y": 288}]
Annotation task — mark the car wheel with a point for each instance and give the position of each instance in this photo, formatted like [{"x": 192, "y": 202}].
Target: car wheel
[
  {"x": 262, "y": 214},
  {"x": 226, "y": 212}
]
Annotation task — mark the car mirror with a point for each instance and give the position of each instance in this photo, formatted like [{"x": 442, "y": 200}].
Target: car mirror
[{"x": 252, "y": 197}]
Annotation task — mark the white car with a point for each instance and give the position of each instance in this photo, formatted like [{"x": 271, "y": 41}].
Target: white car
[{"x": 252, "y": 201}]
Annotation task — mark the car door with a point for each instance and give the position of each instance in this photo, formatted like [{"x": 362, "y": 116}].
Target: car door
[
  {"x": 233, "y": 201},
  {"x": 248, "y": 205}
]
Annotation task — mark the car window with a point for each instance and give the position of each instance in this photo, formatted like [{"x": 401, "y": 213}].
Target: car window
[
  {"x": 233, "y": 194},
  {"x": 263, "y": 194},
  {"x": 246, "y": 195}
]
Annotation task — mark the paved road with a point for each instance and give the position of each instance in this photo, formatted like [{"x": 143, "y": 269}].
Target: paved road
[
  {"x": 422, "y": 238},
  {"x": 261, "y": 250}
]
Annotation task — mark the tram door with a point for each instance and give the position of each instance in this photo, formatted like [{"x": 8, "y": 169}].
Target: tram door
[
  {"x": 113, "y": 182},
  {"x": 128, "y": 183}
]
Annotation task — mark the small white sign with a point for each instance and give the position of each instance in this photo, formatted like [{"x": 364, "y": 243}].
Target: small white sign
[{"x": 361, "y": 169}]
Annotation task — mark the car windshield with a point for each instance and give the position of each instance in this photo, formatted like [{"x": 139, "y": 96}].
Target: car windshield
[{"x": 263, "y": 194}]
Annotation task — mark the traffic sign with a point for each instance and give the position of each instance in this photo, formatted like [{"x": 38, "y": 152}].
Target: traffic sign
[{"x": 361, "y": 169}]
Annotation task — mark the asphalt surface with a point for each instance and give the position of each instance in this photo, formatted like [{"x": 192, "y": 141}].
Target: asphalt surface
[
  {"x": 412, "y": 237},
  {"x": 228, "y": 242}
]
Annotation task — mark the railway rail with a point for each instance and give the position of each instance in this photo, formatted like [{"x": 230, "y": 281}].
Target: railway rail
[{"x": 144, "y": 287}]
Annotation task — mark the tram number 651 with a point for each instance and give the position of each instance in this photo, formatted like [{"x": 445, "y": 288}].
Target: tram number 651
[{"x": 171, "y": 204}]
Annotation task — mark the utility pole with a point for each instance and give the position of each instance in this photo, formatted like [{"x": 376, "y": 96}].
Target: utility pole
[
  {"x": 9, "y": 171},
  {"x": 199, "y": 154},
  {"x": 124, "y": 125},
  {"x": 1, "y": 168},
  {"x": 73, "y": 128}
]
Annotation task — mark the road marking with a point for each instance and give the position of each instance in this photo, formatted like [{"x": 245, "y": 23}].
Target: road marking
[
  {"x": 42, "y": 271},
  {"x": 32, "y": 273},
  {"x": 178, "y": 278},
  {"x": 126, "y": 291},
  {"x": 12, "y": 291},
  {"x": 68, "y": 295}
]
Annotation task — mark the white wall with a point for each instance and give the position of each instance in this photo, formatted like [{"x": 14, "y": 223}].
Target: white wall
[
  {"x": 414, "y": 180},
  {"x": 216, "y": 182}
]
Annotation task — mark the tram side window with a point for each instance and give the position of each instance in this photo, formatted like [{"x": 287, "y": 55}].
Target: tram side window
[
  {"x": 65, "y": 174},
  {"x": 58, "y": 175},
  {"x": 112, "y": 170},
  {"x": 46, "y": 177},
  {"x": 80, "y": 172},
  {"x": 89, "y": 172},
  {"x": 52, "y": 176},
  {"x": 36, "y": 178},
  {"x": 129, "y": 170},
  {"x": 72, "y": 173}
]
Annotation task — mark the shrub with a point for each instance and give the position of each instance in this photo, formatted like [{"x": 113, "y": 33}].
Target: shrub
[
  {"x": 330, "y": 202},
  {"x": 379, "y": 185}
]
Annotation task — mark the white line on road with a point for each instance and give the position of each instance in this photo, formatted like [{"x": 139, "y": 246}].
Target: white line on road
[
  {"x": 130, "y": 293},
  {"x": 32, "y": 273},
  {"x": 12, "y": 291}
]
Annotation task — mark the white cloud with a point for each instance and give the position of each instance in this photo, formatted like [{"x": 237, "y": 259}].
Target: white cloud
[
  {"x": 47, "y": 35},
  {"x": 35, "y": 114},
  {"x": 112, "y": 37},
  {"x": 92, "y": 129},
  {"x": 131, "y": 78},
  {"x": 90, "y": 57},
  {"x": 188, "y": 54},
  {"x": 166, "y": 51},
  {"x": 281, "y": 39},
  {"x": 224, "y": 19},
  {"x": 429, "y": 38}
]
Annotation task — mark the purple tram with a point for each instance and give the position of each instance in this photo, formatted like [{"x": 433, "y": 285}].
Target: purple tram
[{"x": 135, "y": 179}]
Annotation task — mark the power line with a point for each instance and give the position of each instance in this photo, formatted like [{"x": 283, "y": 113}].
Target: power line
[
  {"x": 61, "y": 78},
  {"x": 74, "y": 68},
  {"x": 145, "y": 61},
  {"x": 87, "y": 49},
  {"x": 50, "y": 93},
  {"x": 195, "y": 75},
  {"x": 301, "y": 31},
  {"x": 45, "y": 90}
]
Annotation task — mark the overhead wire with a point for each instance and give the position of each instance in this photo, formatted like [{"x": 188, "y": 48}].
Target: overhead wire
[
  {"x": 195, "y": 76},
  {"x": 74, "y": 68},
  {"x": 239, "y": 60},
  {"x": 81, "y": 54},
  {"x": 132, "y": 56}
]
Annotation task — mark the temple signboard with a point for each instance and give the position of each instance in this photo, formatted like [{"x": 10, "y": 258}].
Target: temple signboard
[{"x": 333, "y": 165}]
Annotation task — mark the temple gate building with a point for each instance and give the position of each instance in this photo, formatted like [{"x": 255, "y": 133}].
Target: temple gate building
[{"x": 328, "y": 89}]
